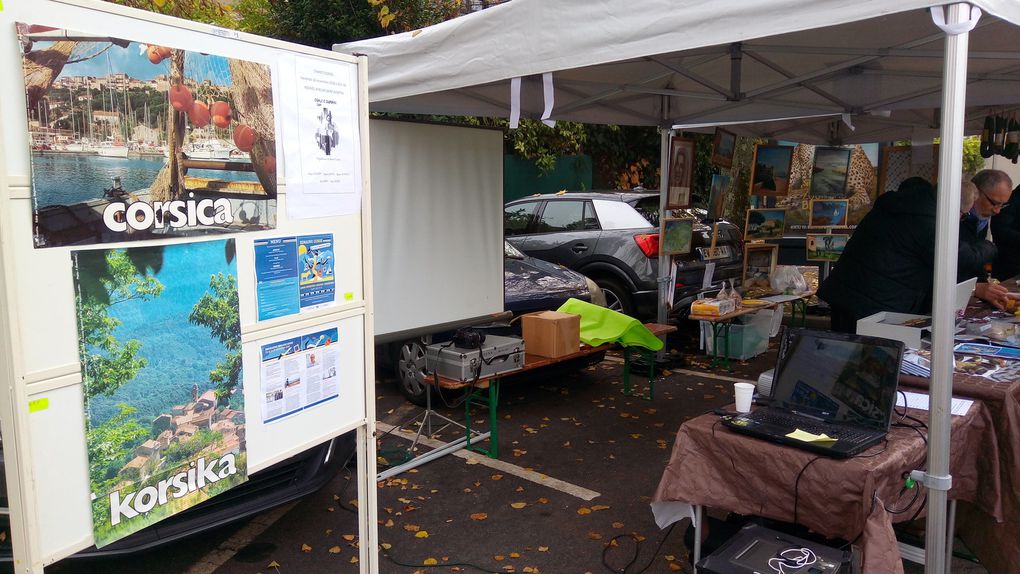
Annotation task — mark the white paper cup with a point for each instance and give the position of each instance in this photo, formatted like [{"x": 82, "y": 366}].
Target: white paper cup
[{"x": 743, "y": 393}]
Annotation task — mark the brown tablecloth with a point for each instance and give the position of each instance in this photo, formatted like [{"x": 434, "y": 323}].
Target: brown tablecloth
[
  {"x": 861, "y": 496},
  {"x": 993, "y": 535}
]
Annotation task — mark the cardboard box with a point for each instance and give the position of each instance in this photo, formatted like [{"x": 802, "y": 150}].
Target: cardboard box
[
  {"x": 551, "y": 333},
  {"x": 899, "y": 326}
]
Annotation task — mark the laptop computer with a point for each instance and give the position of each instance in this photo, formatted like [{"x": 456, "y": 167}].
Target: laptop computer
[{"x": 838, "y": 384}]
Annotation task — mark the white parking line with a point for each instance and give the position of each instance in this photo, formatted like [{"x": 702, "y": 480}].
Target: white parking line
[
  {"x": 505, "y": 467},
  {"x": 712, "y": 376}
]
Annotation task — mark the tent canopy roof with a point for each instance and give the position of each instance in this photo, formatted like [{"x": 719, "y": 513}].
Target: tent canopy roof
[{"x": 706, "y": 63}]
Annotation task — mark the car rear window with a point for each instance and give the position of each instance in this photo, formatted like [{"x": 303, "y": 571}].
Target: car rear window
[
  {"x": 620, "y": 215},
  {"x": 648, "y": 207}
]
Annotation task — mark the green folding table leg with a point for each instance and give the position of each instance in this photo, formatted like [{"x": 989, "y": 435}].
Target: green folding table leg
[
  {"x": 724, "y": 327},
  {"x": 649, "y": 357},
  {"x": 477, "y": 397}
]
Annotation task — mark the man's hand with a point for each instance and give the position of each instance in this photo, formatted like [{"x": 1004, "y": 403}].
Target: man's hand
[{"x": 994, "y": 293}]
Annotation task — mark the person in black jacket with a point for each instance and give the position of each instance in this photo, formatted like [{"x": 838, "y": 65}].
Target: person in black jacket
[
  {"x": 889, "y": 262},
  {"x": 1006, "y": 235}
]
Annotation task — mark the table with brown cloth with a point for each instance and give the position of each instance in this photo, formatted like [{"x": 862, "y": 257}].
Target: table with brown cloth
[
  {"x": 854, "y": 499},
  {"x": 992, "y": 534}
]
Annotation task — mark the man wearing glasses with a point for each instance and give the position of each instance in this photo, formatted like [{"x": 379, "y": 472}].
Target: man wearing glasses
[
  {"x": 1006, "y": 234},
  {"x": 994, "y": 188}
]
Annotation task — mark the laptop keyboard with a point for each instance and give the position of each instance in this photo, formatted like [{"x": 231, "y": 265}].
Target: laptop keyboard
[{"x": 848, "y": 434}]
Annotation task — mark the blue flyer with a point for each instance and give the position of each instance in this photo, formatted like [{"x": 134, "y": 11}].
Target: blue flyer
[
  {"x": 276, "y": 277},
  {"x": 988, "y": 350},
  {"x": 318, "y": 287}
]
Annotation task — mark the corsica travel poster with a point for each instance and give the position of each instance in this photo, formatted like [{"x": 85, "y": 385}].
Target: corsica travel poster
[
  {"x": 133, "y": 141},
  {"x": 160, "y": 345}
]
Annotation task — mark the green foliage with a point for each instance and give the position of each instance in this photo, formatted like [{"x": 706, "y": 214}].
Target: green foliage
[
  {"x": 972, "y": 160},
  {"x": 110, "y": 445},
  {"x": 619, "y": 151},
  {"x": 218, "y": 312},
  {"x": 208, "y": 11},
  {"x": 106, "y": 278},
  {"x": 407, "y": 15},
  {"x": 182, "y": 451},
  {"x": 319, "y": 23}
]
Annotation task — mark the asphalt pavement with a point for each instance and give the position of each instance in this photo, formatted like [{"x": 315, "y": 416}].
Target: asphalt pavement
[{"x": 569, "y": 495}]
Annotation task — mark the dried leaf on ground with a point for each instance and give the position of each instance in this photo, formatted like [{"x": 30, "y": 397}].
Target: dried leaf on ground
[
  {"x": 306, "y": 548},
  {"x": 421, "y": 534},
  {"x": 479, "y": 516},
  {"x": 334, "y": 550},
  {"x": 430, "y": 562},
  {"x": 518, "y": 505}
]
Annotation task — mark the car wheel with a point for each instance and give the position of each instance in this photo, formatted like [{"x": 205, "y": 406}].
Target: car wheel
[
  {"x": 617, "y": 297},
  {"x": 410, "y": 367}
]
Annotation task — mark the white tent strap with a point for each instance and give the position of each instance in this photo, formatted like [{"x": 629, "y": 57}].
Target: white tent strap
[
  {"x": 938, "y": 16},
  {"x": 515, "y": 103},
  {"x": 549, "y": 96},
  {"x": 515, "y": 100},
  {"x": 848, "y": 120}
]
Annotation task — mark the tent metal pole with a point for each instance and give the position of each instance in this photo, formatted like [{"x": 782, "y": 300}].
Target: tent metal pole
[
  {"x": 664, "y": 274},
  {"x": 937, "y": 479}
]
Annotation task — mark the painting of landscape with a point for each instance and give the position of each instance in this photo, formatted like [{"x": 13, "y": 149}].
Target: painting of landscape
[
  {"x": 828, "y": 178},
  {"x": 132, "y": 141},
  {"x": 160, "y": 347}
]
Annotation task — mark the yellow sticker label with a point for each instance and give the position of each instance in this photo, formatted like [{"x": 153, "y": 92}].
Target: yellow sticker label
[
  {"x": 349, "y": 296},
  {"x": 38, "y": 405}
]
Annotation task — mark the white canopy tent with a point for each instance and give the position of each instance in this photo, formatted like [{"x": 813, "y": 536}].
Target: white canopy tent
[{"x": 781, "y": 68}]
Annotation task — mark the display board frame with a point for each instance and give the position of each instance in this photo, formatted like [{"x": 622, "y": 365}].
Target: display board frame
[{"x": 41, "y": 415}]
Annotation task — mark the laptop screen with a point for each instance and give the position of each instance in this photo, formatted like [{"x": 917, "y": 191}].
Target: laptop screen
[{"x": 838, "y": 377}]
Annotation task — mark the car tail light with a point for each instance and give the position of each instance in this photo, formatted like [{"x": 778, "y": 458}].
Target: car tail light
[{"x": 648, "y": 243}]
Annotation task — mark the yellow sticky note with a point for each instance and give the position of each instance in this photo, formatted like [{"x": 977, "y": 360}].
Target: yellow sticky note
[
  {"x": 38, "y": 405},
  {"x": 808, "y": 437},
  {"x": 349, "y": 296}
]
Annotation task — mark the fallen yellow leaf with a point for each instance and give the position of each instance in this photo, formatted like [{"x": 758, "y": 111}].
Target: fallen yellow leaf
[
  {"x": 386, "y": 545},
  {"x": 306, "y": 548},
  {"x": 584, "y": 510},
  {"x": 329, "y": 531},
  {"x": 518, "y": 505},
  {"x": 421, "y": 534},
  {"x": 499, "y": 558},
  {"x": 594, "y": 536},
  {"x": 543, "y": 548},
  {"x": 617, "y": 525},
  {"x": 543, "y": 500},
  {"x": 599, "y": 507},
  {"x": 479, "y": 516},
  {"x": 674, "y": 567},
  {"x": 497, "y": 477},
  {"x": 273, "y": 564},
  {"x": 412, "y": 527},
  {"x": 348, "y": 537},
  {"x": 514, "y": 555},
  {"x": 334, "y": 550},
  {"x": 430, "y": 562},
  {"x": 354, "y": 559}
]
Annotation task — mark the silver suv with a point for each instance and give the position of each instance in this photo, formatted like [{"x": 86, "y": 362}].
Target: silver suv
[{"x": 613, "y": 238}]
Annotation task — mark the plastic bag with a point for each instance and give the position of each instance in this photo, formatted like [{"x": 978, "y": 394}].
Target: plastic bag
[{"x": 788, "y": 280}]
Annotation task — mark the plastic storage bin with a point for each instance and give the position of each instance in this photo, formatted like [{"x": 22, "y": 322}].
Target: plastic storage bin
[{"x": 749, "y": 335}]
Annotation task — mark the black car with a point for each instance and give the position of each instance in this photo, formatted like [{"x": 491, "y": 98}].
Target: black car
[
  {"x": 287, "y": 480},
  {"x": 529, "y": 284},
  {"x": 612, "y": 237}
]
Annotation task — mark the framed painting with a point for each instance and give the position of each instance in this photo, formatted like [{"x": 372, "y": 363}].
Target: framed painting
[
  {"x": 828, "y": 212},
  {"x": 677, "y": 236},
  {"x": 825, "y": 247},
  {"x": 765, "y": 224},
  {"x": 759, "y": 262},
  {"x": 828, "y": 178},
  {"x": 717, "y": 195},
  {"x": 770, "y": 174},
  {"x": 723, "y": 147},
  {"x": 681, "y": 173}
]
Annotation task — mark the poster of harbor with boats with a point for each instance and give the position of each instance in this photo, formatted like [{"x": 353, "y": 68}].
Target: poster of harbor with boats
[{"x": 132, "y": 141}]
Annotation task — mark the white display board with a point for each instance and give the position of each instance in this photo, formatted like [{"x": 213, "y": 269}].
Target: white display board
[{"x": 42, "y": 411}]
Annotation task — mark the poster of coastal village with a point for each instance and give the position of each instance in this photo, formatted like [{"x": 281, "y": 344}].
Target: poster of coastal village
[
  {"x": 160, "y": 345},
  {"x": 132, "y": 141}
]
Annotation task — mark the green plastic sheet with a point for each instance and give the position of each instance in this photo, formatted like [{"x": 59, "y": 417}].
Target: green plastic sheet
[{"x": 600, "y": 325}]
